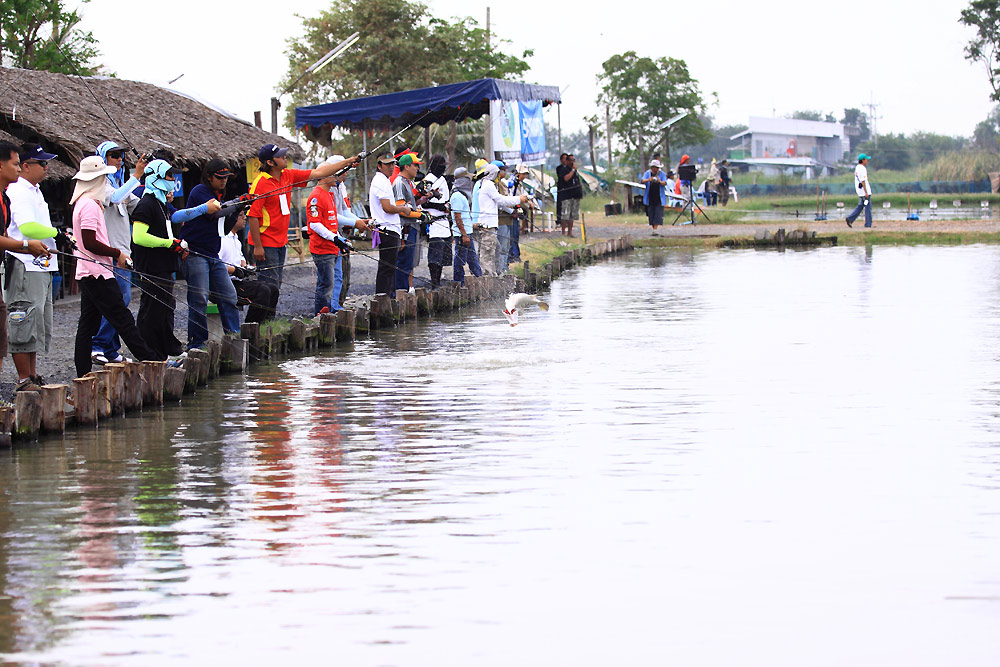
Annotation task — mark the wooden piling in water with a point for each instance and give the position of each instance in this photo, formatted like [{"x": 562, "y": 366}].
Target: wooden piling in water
[
  {"x": 116, "y": 387},
  {"x": 297, "y": 336},
  {"x": 152, "y": 374},
  {"x": 203, "y": 362},
  {"x": 85, "y": 399},
  {"x": 27, "y": 415},
  {"x": 133, "y": 386},
  {"x": 191, "y": 372},
  {"x": 327, "y": 329},
  {"x": 102, "y": 378},
  {"x": 250, "y": 331},
  {"x": 380, "y": 316},
  {"x": 360, "y": 321},
  {"x": 173, "y": 383},
  {"x": 345, "y": 325},
  {"x": 6, "y": 424},
  {"x": 54, "y": 408},
  {"x": 214, "y": 348},
  {"x": 234, "y": 356},
  {"x": 423, "y": 302}
]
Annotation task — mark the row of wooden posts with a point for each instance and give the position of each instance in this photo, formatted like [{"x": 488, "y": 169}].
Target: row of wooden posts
[{"x": 124, "y": 388}]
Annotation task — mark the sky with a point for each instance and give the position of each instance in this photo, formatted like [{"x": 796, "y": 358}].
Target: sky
[{"x": 766, "y": 58}]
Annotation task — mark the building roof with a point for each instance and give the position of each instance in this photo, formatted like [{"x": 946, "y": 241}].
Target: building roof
[
  {"x": 62, "y": 112},
  {"x": 57, "y": 169},
  {"x": 779, "y": 162},
  {"x": 792, "y": 127}
]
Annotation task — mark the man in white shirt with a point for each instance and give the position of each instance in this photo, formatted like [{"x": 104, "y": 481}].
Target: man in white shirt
[
  {"x": 439, "y": 227},
  {"x": 28, "y": 283},
  {"x": 385, "y": 214},
  {"x": 863, "y": 187},
  {"x": 262, "y": 294},
  {"x": 490, "y": 200}
]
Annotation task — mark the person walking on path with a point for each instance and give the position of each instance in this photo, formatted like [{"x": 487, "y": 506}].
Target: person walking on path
[
  {"x": 99, "y": 292},
  {"x": 654, "y": 197},
  {"x": 461, "y": 231},
  {"x": 863, "y": 187},
  {"x": 28, "y": 283}
]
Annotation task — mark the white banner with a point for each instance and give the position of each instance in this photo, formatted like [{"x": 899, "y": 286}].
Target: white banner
[{"x": 505, "y": 122}]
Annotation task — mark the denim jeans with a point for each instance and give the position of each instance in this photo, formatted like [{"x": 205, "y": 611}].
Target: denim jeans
[
  {"x": 406, "y": 259},
  {"x": 209, "y": 277},
  {"x": 853, "y": 215},
  {"x": 504, "y": 233},
  {"x": 465, "y": 255},
  {"x": 515, "y": 240},
  {"x": 106, "y": 341},
  {"x": 329, "y": 279},
  {"x": 273, "y": 265}
]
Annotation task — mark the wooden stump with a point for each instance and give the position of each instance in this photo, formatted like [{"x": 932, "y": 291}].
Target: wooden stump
[
  {"x": 531, "y": 283},
  {"x": 234, "y": 355},
  {"x": 297, "y": 336},
  {"x": 103, "y": 393},
  {"x": 191, "y": 373},
  {"x": 27, "y": 415},
  {"x": 251, "y": 332},
  {"x": 153, "y": 373},
  {"x": 327, "y": 329},
  {"x": 400, "y": 309},
  {"x": 360, "y": 321},
  {"x": 411, "y": 306},
  {"x": 116, "y": 387},
  {"x": 54, "y": 407},
  {"x": 345, "y": 325},
  {"x": 423, "y": 302},
  {"x": 381, "y": 316},
  {"x": 214, "y": 348},
  {"x": 204, "y": 360},
  {"x": 173, "y": 383},
  {"x": 6, "y": 423},
  {"x": 133, "y": 386},
  {"x": 463, "y": 296},
  {"x": 85, "y": 400}
]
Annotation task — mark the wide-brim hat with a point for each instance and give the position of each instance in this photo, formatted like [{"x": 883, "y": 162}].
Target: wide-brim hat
[
  {"x": 461, "y": 171},
  {"x": 655, "y": 163},
  {"x": 93, "y": 167}
]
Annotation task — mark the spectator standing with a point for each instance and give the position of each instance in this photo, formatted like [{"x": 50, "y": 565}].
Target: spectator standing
[
  {"x": 572, "y": 193},
  {"x": 654, "y": 197},
  {"x": 99, "y": 292},
  {"x": 490, "y": 200},
  {"x": 711, "y": 195},
  {"x": 385, "y": 214},
  {"x": 205, "y": 273},
  {"x": 724, "y": 182},
  {"x": 461, "y": 230},
  {"x": 27, "y": 282},
  {"x": 560, "y": 187},
  {"x": 863, "y": 188},
  {"x": 121, "y": 201},
  {"x": 270, "y": 213}
]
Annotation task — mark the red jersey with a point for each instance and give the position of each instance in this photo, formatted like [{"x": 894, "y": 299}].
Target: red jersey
[
  {"x": 275, "y": 211},
  {"x": 321, "y": 208}
]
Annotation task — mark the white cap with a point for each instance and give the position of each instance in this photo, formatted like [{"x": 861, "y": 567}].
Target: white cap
[
  {"x": 334, "y": 159},
  {"x": 656, "y": 163}
]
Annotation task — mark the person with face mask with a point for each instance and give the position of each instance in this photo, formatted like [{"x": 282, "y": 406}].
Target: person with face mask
[
  {"x": 439, "y": 228},
  {"x": 157, "y": 255},
  {"x": 490, "y": 200}
]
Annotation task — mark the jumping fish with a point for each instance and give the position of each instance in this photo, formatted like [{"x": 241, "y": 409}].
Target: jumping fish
[{"x": 520, "y": 301}]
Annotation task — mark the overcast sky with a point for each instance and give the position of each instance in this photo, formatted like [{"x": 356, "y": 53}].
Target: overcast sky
[{"x": 762, "y": 58}]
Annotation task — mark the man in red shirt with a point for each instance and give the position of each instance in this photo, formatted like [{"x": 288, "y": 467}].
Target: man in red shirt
[{"x": 269, "y": 215}]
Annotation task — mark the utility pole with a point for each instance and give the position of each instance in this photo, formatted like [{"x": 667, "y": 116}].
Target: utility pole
[
  {"x": 873, "y": 117},
  {"x": 607, "y": 118},
  {"x": 487, "y": 28}
]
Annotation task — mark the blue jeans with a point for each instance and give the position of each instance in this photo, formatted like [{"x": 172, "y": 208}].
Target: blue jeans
[
  {"x": 853, "y": 215},
  {"x": 209, "y": 277},
  {"x": 465, "y": 255},
  {"x": 329, "y": 280},
  {"x": 273, "y": 265},
  {"x": 106, "y": 341},
  {"x": 515, "y": 248},
  {"x": 504, "y": 234},
  {"x": 406, "y": 258}
]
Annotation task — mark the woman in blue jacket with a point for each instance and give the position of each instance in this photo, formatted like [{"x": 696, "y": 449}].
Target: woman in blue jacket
[{"x": 655, "y": 194}]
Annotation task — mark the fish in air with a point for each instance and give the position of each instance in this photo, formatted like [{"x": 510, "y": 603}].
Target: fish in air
[{"x": 520, "y": 301}]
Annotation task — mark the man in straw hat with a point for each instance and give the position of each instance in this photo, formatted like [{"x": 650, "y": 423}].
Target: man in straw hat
[{"x": 99, "y": 293}]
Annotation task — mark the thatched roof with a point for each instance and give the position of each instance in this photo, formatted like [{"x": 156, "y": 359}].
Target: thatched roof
[
  {"x": 63, "y": 114},
  {"x": 57, "y": 169}
]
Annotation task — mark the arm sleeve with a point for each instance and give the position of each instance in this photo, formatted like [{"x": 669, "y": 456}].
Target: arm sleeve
[
  {"x": 320, "y": 230},
  {"x": 345, "y": 217},
  {"x": 37, "y": 231},
  {"x": 119, "y": 195},
  {"x": 189, "y": 213},
  {"x": 141, "y": 236},
  {"x": 95, "y": 247}
]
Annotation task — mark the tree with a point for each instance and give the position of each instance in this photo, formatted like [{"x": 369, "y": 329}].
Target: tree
[
  {"x": 42, "y": 35},
  {"x": 894, "y": 152},
  {"x": 987, "y": 133},
  {"x": 853, "y": 118},
  {"x": 984, "y": 16},
  {"x": 400, "y": 48},
  {"x": 643, "y": 93}
]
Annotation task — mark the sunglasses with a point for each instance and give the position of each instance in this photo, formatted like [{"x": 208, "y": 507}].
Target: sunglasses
[
  {"x": 41, "y": 163},
  {"x": 116, "y": 154}
]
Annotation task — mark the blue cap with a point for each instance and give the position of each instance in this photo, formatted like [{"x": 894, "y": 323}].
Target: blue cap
[
  {"x": 35, "y": 152},
  {"x": 862, "y": 156},
  {"x": 499, "y": 164},
  {"x": 270, "y": 151}
]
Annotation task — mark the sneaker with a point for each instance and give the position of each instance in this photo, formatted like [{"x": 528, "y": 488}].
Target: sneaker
[
  {"x": 177, "y": 360},
  {"x": 324, "y": 310},
  {"x": 37, "y": 379},
  {"x": 411, "y": 291},
  {"x": 100, "y": 359},
  {"x": 849, "y": 223},
  {"x": 27, "y": 385}
]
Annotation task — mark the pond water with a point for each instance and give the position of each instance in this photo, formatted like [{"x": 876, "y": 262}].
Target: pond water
[
  {"x": 694, "y": 458},
  {"x": 925, "y": 214}
]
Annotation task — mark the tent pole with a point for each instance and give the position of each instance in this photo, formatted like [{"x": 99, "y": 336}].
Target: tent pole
[
  {"x": 364, "y": 147},
  {"x": 559, "y": 125},
  {"x": 488, "y": 138},
  {"x": 427, "y": 141}
]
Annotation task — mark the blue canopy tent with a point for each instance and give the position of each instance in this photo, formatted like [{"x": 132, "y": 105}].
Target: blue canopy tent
[{"x": 422, "y": 106}]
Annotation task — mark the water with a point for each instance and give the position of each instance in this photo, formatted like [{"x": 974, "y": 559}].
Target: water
[
  {"x": 696, "y": 458},
  {"x": 878, "y": 213}
]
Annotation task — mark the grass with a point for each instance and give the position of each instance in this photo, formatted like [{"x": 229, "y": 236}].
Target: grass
[
  {"x": 540, "y": 250},
  {"x": 898, "y": 200}
]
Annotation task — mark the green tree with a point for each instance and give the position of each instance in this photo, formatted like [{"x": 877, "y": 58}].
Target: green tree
[
  {"x": 984, "y": 16},
  {"x": 853, "y": 118},
  {"x": 894, "y": 152},
  {"x": 987, "y": 133},
  {"x": 642, "y": 94},
  {"x": 42, "y": 35}
]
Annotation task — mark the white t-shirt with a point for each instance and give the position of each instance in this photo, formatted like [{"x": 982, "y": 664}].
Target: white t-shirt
[
  {"x": 440, "y": 225},
  {"x": 381, "y": 189},
  {"x": 28, "y": 205},
  {"x": 861, "y": 176},
  {"x": 230, "y": 250}
]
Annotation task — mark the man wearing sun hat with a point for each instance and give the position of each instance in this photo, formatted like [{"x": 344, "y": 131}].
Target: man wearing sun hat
[
  {"x": 863, "y": 188},
  {"x": 27, "y": 284}
]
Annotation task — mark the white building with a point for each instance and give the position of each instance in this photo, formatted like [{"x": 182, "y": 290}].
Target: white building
[{"x": 825, "y": 144}]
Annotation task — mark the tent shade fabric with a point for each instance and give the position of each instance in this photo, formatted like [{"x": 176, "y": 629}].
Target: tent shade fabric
[{"x": 424, "y": 106}]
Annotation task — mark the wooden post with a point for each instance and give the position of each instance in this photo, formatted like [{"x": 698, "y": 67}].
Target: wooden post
[
  {"x": 27, "y": 415},
  {"x": 214, "y": 348},
  {"x": 399, "y": 305},
  {"x": 133, "y": 386},
  {"x": 327, "y": 329},
  {"x": 153, "y": 374},
  {"x": 234, "y": 355},
  {"x": 411, "y": 306},
  {"x": 116, "y": 387},
  {"x": 191, "y": 372},
  {"x": 6, "y": 422},
  {"x": 345, "y": 325},
  {"x": 103, "y": 393},
  {"x": 54, "y": 407},
  {"x": 251, "y": 332},
  {"x": 360, "y": 321},
  {"x": 173, "y": 383},
  {"x": 380, "y": 316},
  {"x": 423, "y": 302},
  {"x": 85, "y": 399},
  {"x": 297, "y": 336},
  {"x": 204, "y": 360}
]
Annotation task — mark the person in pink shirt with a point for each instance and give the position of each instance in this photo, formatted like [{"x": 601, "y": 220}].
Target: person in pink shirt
[{"x": 100, "y": 295}]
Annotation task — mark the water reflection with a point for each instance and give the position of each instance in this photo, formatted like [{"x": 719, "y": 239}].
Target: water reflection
[{"x": 701, "y": 455}]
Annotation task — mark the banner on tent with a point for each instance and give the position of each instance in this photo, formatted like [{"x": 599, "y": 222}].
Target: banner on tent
[
  {"x": 506, "y": 126},
  {"x": 532, "y": 132}
]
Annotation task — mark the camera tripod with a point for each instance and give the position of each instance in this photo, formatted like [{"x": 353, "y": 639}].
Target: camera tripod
[{"x": 689, "y": 206}]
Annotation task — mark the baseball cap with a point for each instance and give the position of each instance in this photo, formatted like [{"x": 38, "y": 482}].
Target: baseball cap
[
  {"x": 270, "y": 151},
  {"x": 862, "y": 156},
  {"x": 655, "y": 163},
  {"x": 218, "y": 168},
  {"x": 35, "y": 152},
  {"x": 499, "y": 164},
  {"x": 386, "y": 158},
  {"x": 461, "y": 171},
  {"x": 408, "y": 159}
]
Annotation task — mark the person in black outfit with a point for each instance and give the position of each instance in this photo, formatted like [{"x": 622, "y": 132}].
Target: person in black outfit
[{"x": 571, "y": 194}]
